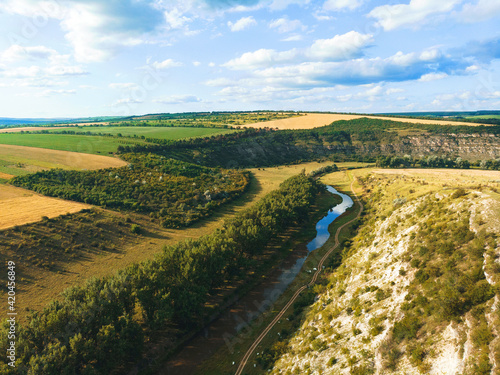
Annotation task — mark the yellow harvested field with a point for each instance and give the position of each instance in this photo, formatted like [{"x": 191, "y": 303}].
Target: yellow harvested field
[
  {"x": 423, "y": 121},
  {"x": 19, "y": 206},
  {"x": 45, "y": 158},
  {"x": 306, "y": 121},
  {"x": 5, "y": 175},
  {"x": 315, "y": 120}
]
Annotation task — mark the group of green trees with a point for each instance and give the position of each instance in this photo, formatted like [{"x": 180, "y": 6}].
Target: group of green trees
[
  {"x": 103, "y": 324},
  {"x": 434, "y": 161},
  {"x": 426, "y": 162},
  {"x": 171, "y": 192}
]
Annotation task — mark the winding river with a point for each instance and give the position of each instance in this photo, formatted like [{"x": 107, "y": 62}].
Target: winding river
[{"x": 237, "y": 318}]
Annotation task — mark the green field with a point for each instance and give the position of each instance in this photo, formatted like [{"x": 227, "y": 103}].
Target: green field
[
  {"x": 484, "y": 117},
  {"x": 76, "y": 143},
  {"x": 172, "y": 133}
]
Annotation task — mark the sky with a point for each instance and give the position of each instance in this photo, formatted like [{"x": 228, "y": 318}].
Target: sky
[{"x": 81, "y": 58}]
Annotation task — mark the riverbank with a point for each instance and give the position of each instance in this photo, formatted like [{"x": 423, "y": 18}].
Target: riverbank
[{"x": 227, "y": 358}]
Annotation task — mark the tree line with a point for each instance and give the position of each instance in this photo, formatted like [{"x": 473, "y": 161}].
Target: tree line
[{"x": 102, "y": 326}]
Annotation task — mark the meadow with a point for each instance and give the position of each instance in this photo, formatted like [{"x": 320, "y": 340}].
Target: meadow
[
  {"x": 171, "y": 133},
  {"x": 64, "y": 142}
]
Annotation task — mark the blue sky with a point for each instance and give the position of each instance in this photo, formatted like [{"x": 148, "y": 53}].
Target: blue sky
[{"x": 77, "y": 58}]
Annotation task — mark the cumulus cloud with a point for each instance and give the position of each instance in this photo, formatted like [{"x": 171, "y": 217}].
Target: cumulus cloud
[
  {"x": 284, "y": 25},
  {"x": 358, "y": 71},
  {"x": 415, "y": 13},
  {"x": 340, "y": 47},
  {"x": 432, "y": 77},
  {"x": 242, "y": 24},
  {"x": 95, "y": 28},
  {"x": 165, "y": 64},
  {"x": 336, "y": 5}
]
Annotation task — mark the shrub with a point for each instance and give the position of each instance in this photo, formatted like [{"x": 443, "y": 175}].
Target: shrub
[
  {"x": 460, "y": 192},
  {"x": 136, "y": 229}
]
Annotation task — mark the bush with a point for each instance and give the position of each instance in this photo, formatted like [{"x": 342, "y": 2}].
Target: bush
[
  {"x": 136, "y": 229},
  {"x": 460, "y": 192}
]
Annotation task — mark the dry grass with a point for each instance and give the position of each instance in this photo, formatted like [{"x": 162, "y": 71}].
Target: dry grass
[
  {"x": 41, "y": 158},
  {"x": 5, "y": 176},
  {"x": 451, "y": 177},
  {"x": 314, "y": 120},
  {"x": 19, "y": 207}
]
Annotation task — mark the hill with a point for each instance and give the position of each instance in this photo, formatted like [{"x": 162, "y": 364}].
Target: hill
[{"x": 417, "y": 289}]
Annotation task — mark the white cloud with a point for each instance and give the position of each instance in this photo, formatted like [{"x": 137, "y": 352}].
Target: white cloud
[
  {"x": 18, "y": 53},
  {"x": 95, "y": 29},
  {"x": 260, "y": 58},
  {"x": 242, "y": 24},
  {"x": 415, "y": 13},
  {"x": 481, "y": 11},
  {"x": 393, "y": 91},
  {"x": 293, "y": 38},
  {"x": 23, "y": 72},
  {"x": 313, "y": 74},
  {"x": 335, "y": 5},
  {"x": 196, "y": 63},
  {"x": 178, "y": 99},
  {"x": 472, "y": 68},
  {"x": 432, "y": 77},
  {"x": 322, "y": 17},
  {"x": 340, "y": 47},
  {"x": 165, "y": 64},
  {"x": 284, "y": 25},
  {"x": 65, "y": 71}
]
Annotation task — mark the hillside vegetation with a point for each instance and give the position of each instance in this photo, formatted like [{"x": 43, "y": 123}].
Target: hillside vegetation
[
  {"x": 416, "y": 292},
  {"x": 171, "y": 192},
  {"x": 360, "y": 139}
]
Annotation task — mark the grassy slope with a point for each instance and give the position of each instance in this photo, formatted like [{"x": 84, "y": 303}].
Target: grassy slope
[
  {"x": 76, "y": 143},
  {"x": 327, "y": 342}
]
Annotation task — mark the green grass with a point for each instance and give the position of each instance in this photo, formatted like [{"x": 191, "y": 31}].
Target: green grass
[
  {"x": 172, "y": 133},
  {"x": 76, "y": 143},
  {"x": 484, "y": 116}
]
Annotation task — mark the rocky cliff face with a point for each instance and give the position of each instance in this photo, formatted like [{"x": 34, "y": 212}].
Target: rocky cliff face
[{"x": 417, "y": 292}]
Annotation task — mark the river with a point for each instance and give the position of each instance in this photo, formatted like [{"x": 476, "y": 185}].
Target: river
[{"x": 238, "y": 317}]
